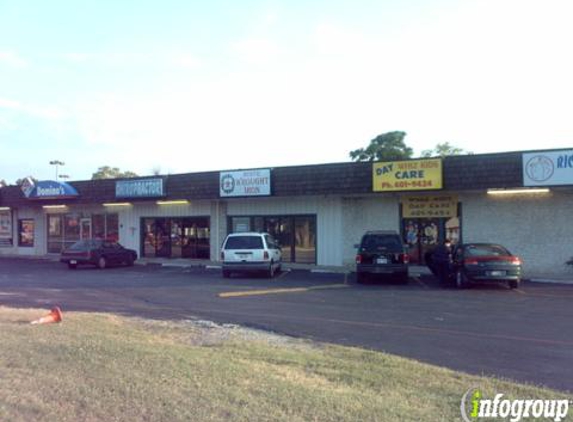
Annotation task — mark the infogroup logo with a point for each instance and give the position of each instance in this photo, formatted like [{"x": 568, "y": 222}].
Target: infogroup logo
[{"x": 475, "y": 407}]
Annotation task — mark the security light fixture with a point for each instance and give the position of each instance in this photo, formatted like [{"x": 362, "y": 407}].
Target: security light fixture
[
  {"x": 516, "y": 191},
  {"x": 54, "y": 207},
  {"x": 173, "y": 202},
  {"x": 117, "y": 204}
]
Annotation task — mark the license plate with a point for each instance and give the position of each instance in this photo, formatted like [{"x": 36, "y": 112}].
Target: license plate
[
  {"x": 73, "y": 261},
  {"x": 495, "y": 273},
  {"x": 382, "y": 261}
]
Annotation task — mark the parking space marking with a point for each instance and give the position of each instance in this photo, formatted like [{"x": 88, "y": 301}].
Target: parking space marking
[
  {"x": 421, "y": 283},
  {"x": 277, "y": 291},
  {"x": 521, "y": 292},
  {"x": 282, "y": 274}
]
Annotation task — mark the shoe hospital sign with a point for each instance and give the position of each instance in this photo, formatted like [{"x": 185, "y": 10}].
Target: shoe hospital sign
[{"x": 476, "y": 407}]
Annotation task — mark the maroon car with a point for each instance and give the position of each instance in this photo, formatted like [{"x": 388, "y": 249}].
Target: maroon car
[
  {"x": 100, "y": 253},
  {"x": 484, "y": 262}
]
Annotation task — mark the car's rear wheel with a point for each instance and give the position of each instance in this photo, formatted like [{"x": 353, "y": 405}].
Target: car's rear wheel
[
  {"x": 72, "y": 266},
  {"x": 404, "y": 279},
  {"x": 271, "y": 270},
  {"x": 102, "y": 262},
  {"x": 129, "y": 261},
  {"x": 462, "y": 281},
  {"x": 514, "y": 284},
  {"x": 360, "y": 278},
  {"x": 226, "y": 273}
]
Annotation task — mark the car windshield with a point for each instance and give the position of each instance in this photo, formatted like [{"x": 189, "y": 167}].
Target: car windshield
[
  {"x": 244, "y": 242},
  {"x": 486, "y": 250},
  {"x": 377, "y": 243},
  {"x": 84, "y": 245}
]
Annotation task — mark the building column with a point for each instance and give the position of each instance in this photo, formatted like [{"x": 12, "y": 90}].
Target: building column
[{"x": 218, "y": 227}]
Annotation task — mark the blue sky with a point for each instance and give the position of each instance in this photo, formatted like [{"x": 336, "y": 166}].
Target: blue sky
[{"x": 185, "y": 86}]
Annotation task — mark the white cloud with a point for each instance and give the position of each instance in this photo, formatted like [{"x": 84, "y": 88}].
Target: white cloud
[
  {"x": 256, "y": 50},
  {"x": 12, "y": 59},
  {"x": 44, "y": 112}
]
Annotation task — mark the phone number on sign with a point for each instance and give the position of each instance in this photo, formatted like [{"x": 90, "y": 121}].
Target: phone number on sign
[{"x": 403, "y": 184}]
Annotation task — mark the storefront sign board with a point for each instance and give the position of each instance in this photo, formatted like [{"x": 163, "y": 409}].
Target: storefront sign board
[
  {"x": 245, "y": 183},
  {"x": 554, "y": 168},
  {"x": 48, "y": 189},
  {"x": 407, "y": 175},
  {"x": 430, "y": 206},
  {"x": 140, "y": 188}
]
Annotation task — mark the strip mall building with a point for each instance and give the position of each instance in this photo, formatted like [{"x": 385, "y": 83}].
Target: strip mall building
[{"x": 522, "y": 200}]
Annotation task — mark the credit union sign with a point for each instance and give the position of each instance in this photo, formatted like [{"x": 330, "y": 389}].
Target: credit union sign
[{"x": 407, "y": 175}]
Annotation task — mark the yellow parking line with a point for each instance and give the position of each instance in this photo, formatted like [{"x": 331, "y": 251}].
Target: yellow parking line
[{"x": 276, "y": 291}]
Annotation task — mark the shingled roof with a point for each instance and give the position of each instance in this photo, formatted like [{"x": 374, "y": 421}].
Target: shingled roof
[{"x": 461, "y": 173}]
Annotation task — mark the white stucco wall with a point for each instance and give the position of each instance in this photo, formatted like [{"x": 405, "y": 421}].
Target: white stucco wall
[
  {"x": 537, "y": 227},
  {"x": 363, "y": 214}
]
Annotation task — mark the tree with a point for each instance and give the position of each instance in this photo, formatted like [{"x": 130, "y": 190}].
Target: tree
[
  {"x": 386, "y": 147},
  {"x": 443, "y": 150},
  {"x": 2, "y": 183},
  {"x": 107, "y": 172}
]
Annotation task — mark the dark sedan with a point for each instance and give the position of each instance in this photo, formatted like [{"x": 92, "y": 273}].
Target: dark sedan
[
  {"x": 484, "y": 262},
  {"x": 96, "y": 252}
]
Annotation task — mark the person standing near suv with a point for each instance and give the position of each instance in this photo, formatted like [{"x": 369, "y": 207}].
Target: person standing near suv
[{"x": 442, "y": 260}]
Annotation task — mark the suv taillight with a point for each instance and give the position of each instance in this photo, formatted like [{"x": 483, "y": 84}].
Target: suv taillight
[
  {"x": 404, "y": 258},
  {"x": 222, "y": 256},
  {"x": 359, "y": 259},
  {"x": 266, "y": 255}
]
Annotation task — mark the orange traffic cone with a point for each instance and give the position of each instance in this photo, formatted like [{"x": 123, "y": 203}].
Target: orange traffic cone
[{"x": 54, "y": 316}]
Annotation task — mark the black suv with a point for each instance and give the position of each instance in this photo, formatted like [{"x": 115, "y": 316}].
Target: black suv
[{"x": 382, "y": 253}]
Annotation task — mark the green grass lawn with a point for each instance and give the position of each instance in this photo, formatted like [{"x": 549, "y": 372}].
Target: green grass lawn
[{"x": 102, "y": 367}]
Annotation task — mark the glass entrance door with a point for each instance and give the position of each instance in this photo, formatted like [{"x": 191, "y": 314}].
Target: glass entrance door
[
  {"x": 85, "y": 228},
  {"x": 425, "y": 234}
]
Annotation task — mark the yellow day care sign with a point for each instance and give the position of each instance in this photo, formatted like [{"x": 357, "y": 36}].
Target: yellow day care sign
[{"x": 407, "y": 175}]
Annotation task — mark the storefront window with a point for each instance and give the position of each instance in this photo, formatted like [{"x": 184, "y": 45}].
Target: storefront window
[
  {"x": 26, "y": 233},
  {"x": 5, "y": 228},
  {"x": 296, "y": 235},
  {"x": 98, "y": 226},
  {"x": 55, "y": 233},
  {"x": 241, "y": 224},
  {"x": 66, "y": 229},
  {"x": 71, "y": 229},
  {"x": 305, "y": 239},
  {"x": 176, "y": 237}
]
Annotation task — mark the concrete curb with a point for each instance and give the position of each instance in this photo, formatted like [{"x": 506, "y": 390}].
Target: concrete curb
[{"x": 550, "y": 280}]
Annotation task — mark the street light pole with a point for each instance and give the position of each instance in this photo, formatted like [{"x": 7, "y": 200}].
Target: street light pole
[{"x": 57, "y": 163}]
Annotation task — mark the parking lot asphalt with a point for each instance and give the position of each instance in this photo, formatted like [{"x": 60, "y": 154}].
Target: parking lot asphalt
[{"x": 524, "y": 334}]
